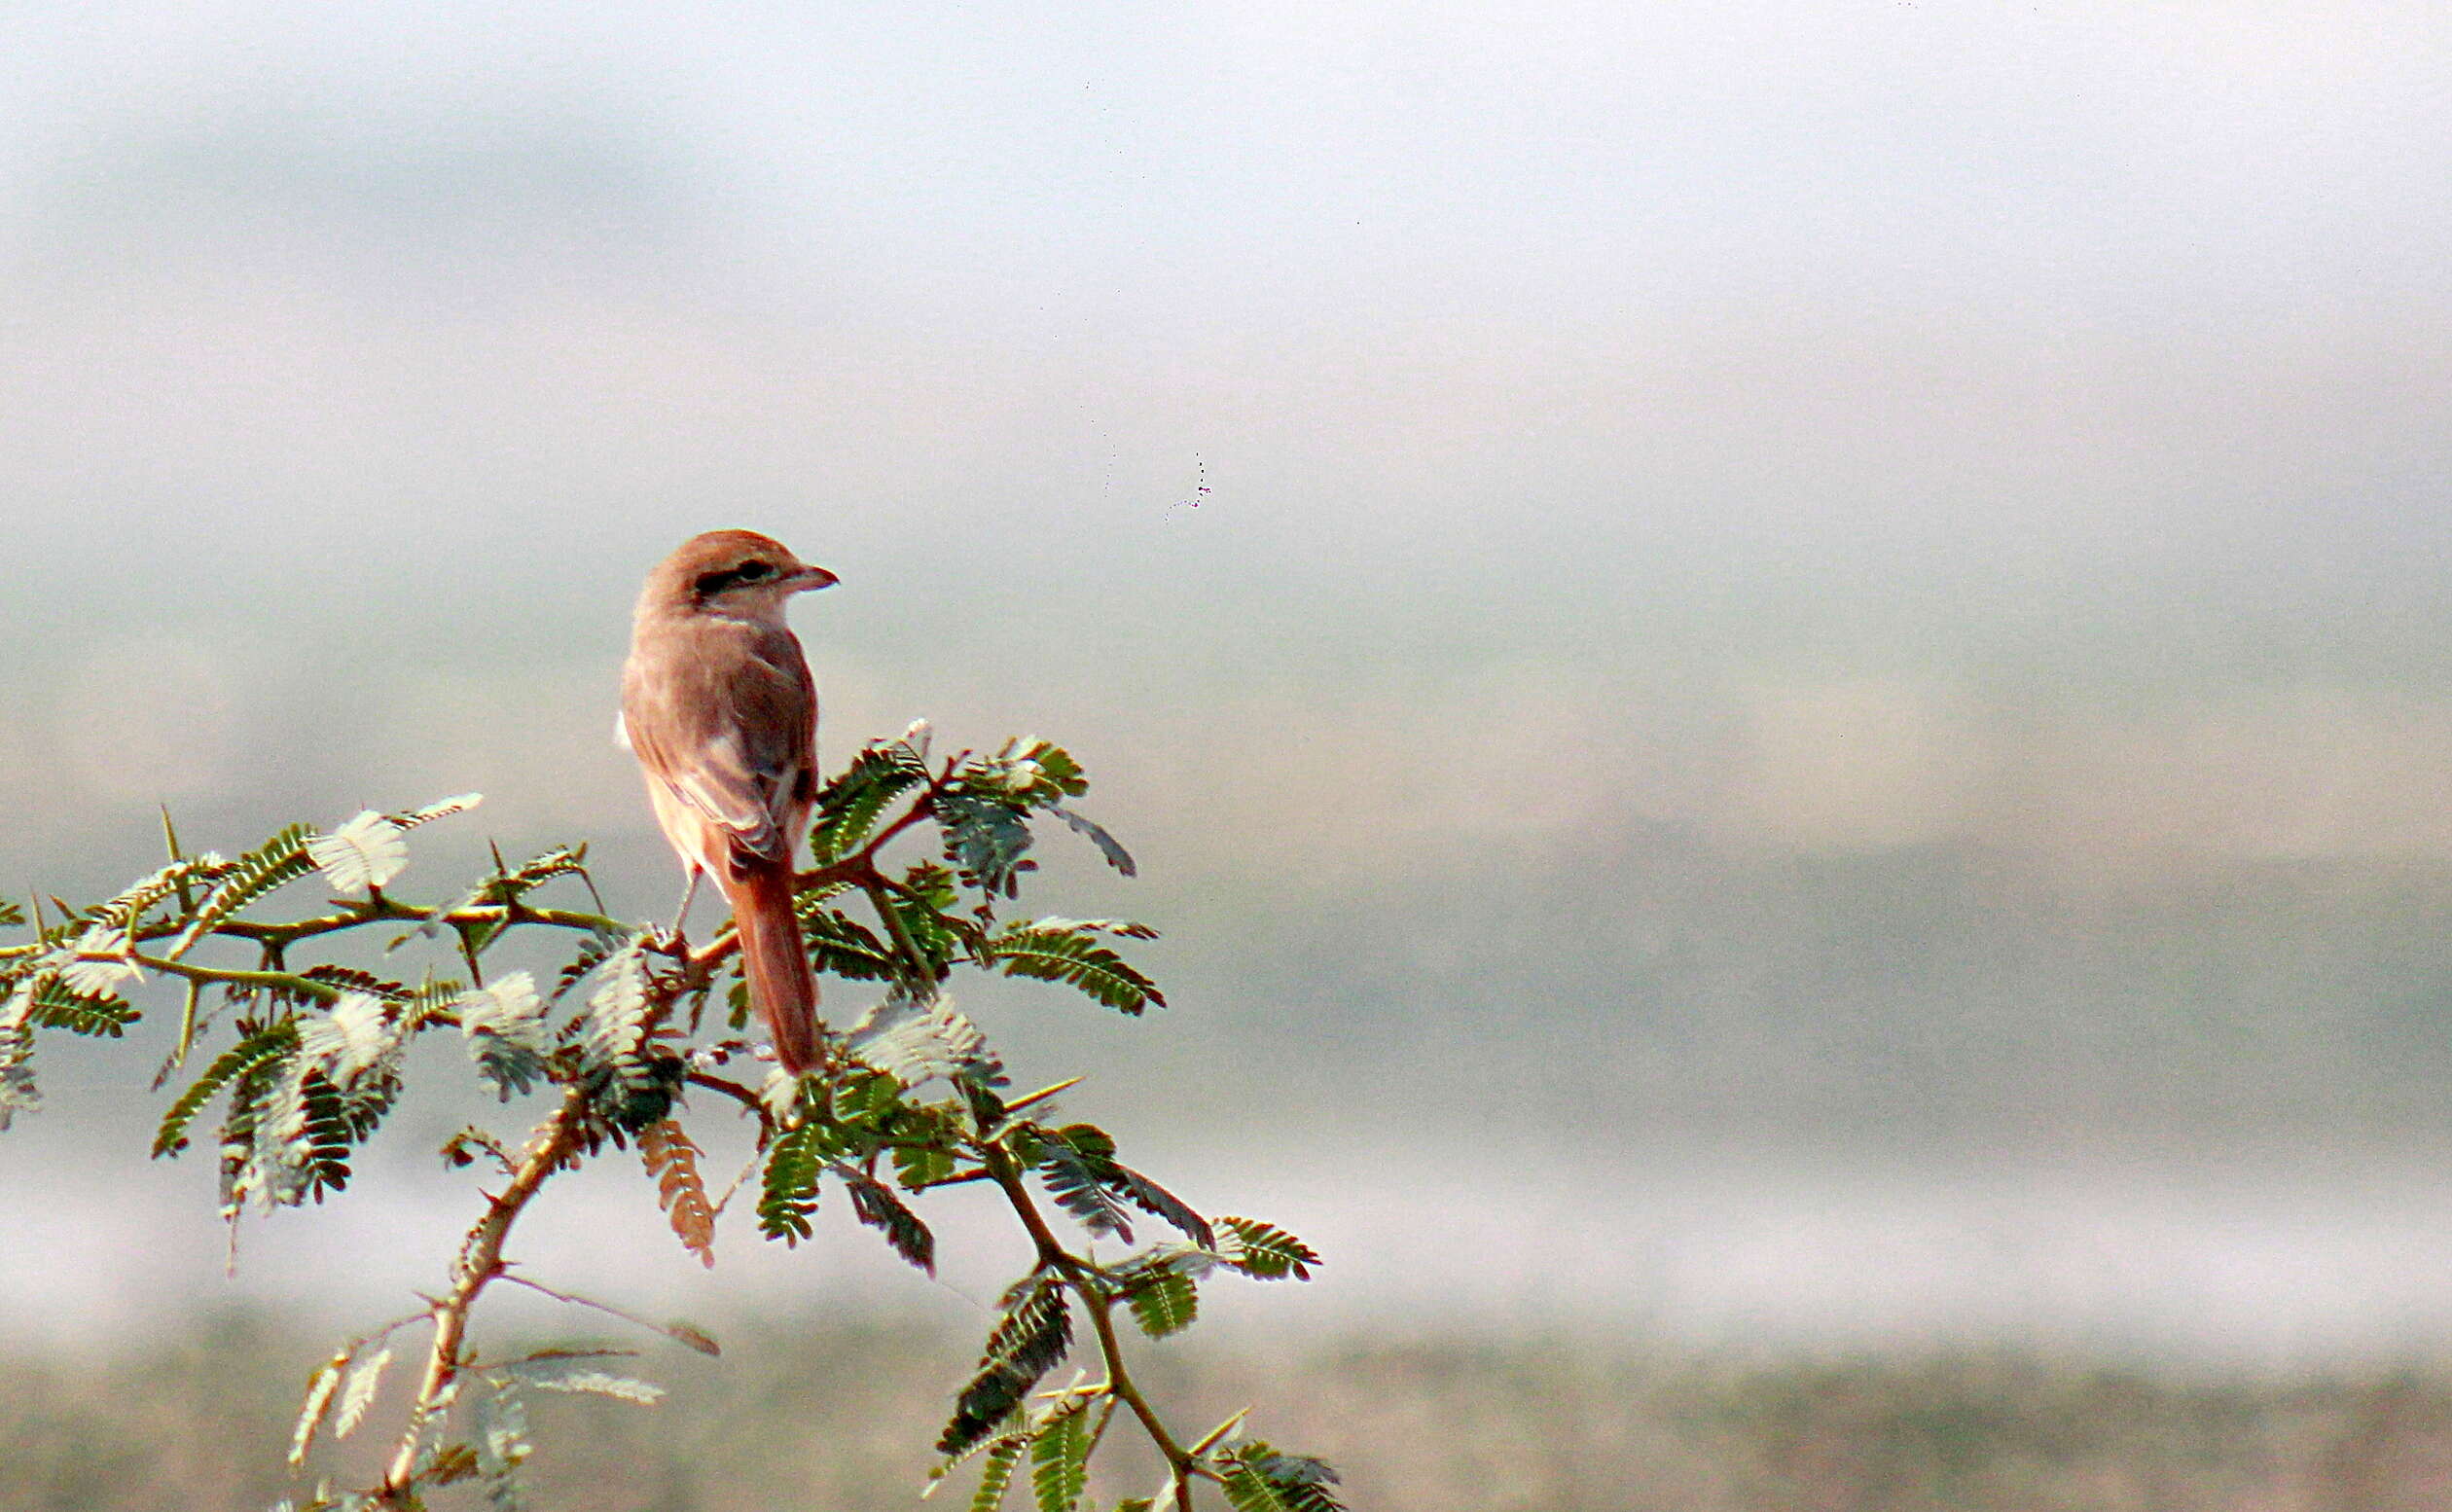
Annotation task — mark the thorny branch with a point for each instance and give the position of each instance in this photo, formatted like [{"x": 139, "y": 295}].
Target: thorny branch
[
  {"x": 480, "y": 1263},
  {"x": 577, "y": 1127}
]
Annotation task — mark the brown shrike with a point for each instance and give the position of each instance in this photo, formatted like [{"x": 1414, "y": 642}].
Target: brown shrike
[{"x": 719, "y": 706}]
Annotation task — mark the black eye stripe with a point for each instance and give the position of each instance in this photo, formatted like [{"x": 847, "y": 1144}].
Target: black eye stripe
[{"x": 711, "y": 582}]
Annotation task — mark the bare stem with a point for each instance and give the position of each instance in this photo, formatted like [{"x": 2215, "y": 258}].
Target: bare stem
[
  {"x": 479, "y": 1264},
  {"x": 1099, "y": 1302}
]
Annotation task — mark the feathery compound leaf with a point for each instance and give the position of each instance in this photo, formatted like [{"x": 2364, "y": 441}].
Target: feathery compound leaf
[
  {"x": 506, "y": 886},
  {"x": 912, "y": 1041},
  {"x": 441, "y": 809},
  {"x": 1264, "y": 1251},
  {"x": 1163, "y": 1302},
  {"x": 355, "y": 1037},
  {"x": 615, "y": 1040},
  {"x": 256, "y": 1050},
  {"x": 10, "y": 916},
  {"x": 292, "y": 1145},
  {"x": 593, "y": 952},
  {"x": 1159, "y": 1202},
  {"x": 1059, "y": 1457},
  {"x": 319, "y": 1389},
  {"x": 840, "y": 946},
  {"x": 996, "y": 1472},
  {"x": 1028, "y": 1342},
  {"x": 97, "y": 964},
  {"x": 582, "y": 1374},
  {"x": 852, "y": 804},
  {"x": 1076, "y": 1185},
  {"x": 462, "y": 1149},
  {"x": 1032, "y": 772},
  {"x": 277, "y": 861},
  {"x": 1259, "y": 1479},
  {"x": 18, "y": 1091},
  {"x": 148, "y": 893},
  {"x": 360, "y": 855},
  {"x": 502, "y": 1444},
  {"x": 1109, "y": 846},
  {"x": 918, "y": 915},
  {"x": 787, "y": 1195},
  {"x": 879, "y": 1208},
  {"x": 504, "y": 1024},
  {"x": 673, "y": 1160},
  {"x": 986, "y": 837},
  {"x": 51, "y": 1004},
  {"x": 1063, "y": 949},
  {"x": 358, "y": 1393}
]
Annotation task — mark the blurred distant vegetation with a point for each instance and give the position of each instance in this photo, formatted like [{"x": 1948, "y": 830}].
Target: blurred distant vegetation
[{"x": 801, "y": 1415}]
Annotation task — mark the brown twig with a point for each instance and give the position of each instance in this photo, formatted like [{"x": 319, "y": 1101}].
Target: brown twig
[
  {"x": 480, "y": 1265},
  {"x": 1099, "y": 1302}
]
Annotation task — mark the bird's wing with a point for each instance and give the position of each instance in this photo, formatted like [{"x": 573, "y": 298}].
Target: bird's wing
[{"x": 725, "y": 716}]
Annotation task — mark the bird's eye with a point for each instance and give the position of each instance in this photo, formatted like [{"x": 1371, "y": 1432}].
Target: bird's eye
[{"x": 751, "y": 572}]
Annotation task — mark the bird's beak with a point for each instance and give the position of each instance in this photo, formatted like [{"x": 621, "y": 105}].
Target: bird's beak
[{"x": 809, "y": 579}]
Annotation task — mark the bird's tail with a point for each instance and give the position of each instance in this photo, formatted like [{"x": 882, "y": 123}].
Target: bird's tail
[{"x": 781, "y": 986}]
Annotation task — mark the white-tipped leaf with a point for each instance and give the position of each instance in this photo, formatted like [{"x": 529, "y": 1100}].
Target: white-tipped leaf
[{"x": 360, "y": 855}]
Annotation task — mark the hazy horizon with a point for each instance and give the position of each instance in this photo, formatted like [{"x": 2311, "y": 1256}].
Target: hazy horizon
[{"x": 1849, "y": 597}]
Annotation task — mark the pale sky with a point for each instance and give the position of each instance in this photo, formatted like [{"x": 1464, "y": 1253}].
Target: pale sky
[{"x": 1817, "y": 432}]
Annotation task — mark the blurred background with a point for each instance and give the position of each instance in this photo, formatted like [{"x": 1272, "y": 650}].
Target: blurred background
[{"x": 1783, "y": 672}]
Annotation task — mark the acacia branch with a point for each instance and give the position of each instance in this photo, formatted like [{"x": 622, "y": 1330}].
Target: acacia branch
[
  {"x": 1098, "y": 1300},
  {"x": 479, "y": 1264}
]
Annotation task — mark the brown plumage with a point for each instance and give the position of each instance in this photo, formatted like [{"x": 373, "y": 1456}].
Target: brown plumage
[{"x": 718, "y": 704}]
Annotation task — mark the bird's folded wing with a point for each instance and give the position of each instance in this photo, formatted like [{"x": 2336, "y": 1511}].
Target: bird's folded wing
[{"x": 731, "y": 729}]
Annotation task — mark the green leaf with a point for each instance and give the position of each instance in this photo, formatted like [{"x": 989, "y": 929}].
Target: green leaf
[
  {"x": 1159, "y": 1202},
  {"x": 853, "y": 802},
  {"x": 787, "y": 1196},
  {"x": 877, "y": 1205},
  {"x": 1264, "y": 1251},
  {"x": 146, "y": 893},
  {"x": 11, "y": 915},
  {"x": 1163, "y": 1302},
  {"x": 840, "y": 946},
  {"x": 919, "y": 1165},
  {"x": 996, "y": 1472},
  {"x": 986, "y": 837},
  {"x": 280, "y": 860},
  {"x": 918, "y": 915},
  {"x": 505, "y": 888},
  {"x": 256, "y": 1050},
  {"x": 631, "y": 1079},
  {"x": 52, "y": 1005},
  {"x": 1065, "y": 950},
  {"x": 1059, "y": 1457},
  {"x": 1030, "y": 1337},
  {"x": 1259, "y": 1479},
  {"x": 1075, "y": 1183}
]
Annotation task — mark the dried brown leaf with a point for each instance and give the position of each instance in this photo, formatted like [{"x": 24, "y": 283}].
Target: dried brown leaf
[{"x": 674, "y": 1161}]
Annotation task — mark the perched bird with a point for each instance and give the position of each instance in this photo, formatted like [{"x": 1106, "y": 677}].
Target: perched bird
[{"x": 718, "y": 704}]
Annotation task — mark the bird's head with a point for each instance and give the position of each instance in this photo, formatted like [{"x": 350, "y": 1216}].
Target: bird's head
[{"x": 736, "y": 573}]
